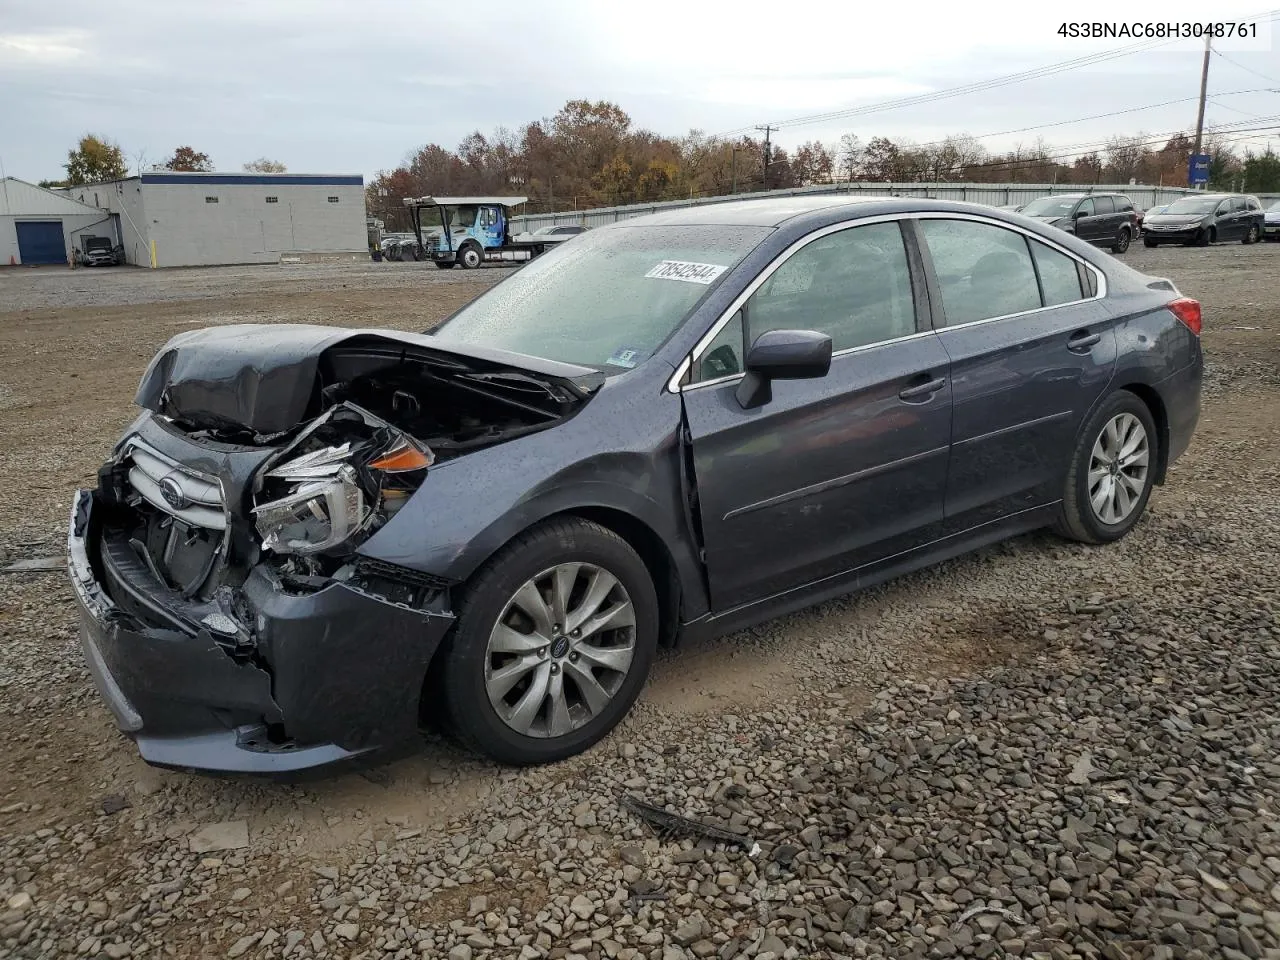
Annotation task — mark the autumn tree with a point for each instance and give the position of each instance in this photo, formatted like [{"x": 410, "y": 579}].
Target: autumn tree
[
  {"x": 264, "y": 165},
  {"x": 188, "y": 160},
  {"x": 813, "y": 163},
  {"x": 95, "y": 160}
]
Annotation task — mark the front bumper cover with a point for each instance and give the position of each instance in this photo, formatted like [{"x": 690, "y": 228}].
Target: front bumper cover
[{"x": 328, "y": 676}]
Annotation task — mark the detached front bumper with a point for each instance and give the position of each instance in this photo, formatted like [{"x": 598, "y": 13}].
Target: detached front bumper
[{"x": 323, "y": 677}]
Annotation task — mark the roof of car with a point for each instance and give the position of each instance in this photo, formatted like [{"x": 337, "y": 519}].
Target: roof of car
[{"x": 765, "y": 212}]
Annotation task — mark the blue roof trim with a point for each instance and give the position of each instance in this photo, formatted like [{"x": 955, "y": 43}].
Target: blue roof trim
[{"x": 239, "y": 179}]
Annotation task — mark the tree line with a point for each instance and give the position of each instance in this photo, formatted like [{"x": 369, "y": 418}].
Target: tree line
[
  {"x": 97, "y": 159},
  {"x": 591, "y": 154}
]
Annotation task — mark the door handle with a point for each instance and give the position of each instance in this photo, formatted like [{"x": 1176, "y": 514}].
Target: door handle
[
  {"x": 1081, "y": 342},
  {"x": 922, "y": 390}
]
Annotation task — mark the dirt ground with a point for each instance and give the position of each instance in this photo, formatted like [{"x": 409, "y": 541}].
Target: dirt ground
[{"x": 72, "y": 348}]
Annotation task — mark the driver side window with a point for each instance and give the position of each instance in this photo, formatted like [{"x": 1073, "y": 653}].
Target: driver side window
[{"x": 1085, "y": 209}]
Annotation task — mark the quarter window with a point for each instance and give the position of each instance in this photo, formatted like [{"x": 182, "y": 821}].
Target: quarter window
[
  {"x": 983, "y": 271},
  {"x": 854, "y": 286},
  {"x": 723, "y": 356},
  {"x": 1059, "y": 278}
]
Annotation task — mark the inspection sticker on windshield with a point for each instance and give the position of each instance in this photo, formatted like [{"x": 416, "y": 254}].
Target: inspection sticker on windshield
[
  {"x": 688, "y": 272},
  {"x": 624, "y": 357}
]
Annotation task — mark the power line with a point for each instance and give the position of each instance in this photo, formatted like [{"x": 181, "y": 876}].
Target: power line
[
  {"x": 1236, "y": 63},
  {"x": 984, "y": 85}
]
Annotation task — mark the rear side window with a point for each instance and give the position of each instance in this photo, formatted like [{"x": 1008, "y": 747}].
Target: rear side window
[
  {"x": 853, "y": 285},
  {"x": 1124, "y": 204},
  {"x": 1059, "y": 278},
  {"x": 1104, "y": 205},
  {"x": 1253, "y": 204},
  {"x": 984, "y": 271}
]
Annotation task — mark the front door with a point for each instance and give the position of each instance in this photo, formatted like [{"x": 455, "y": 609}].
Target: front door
[
  {"x": 1030, "y": 353},
  {"x": 1088, "y": 223},
  {"x": 835, "y": 472}
]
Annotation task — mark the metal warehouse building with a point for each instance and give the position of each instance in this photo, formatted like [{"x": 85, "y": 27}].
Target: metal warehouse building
[
  {"x": 42, "y": 226},
  {"x": 168, "y": 219}
]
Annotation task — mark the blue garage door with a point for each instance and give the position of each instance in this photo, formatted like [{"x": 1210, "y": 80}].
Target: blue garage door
[{"x": 40, "y": 241}]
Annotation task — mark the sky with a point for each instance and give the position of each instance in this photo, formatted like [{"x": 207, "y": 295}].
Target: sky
[{"x": 354, "y": 86}]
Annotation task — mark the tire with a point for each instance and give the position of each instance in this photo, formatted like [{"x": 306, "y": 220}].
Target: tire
[
  {"x": 443, "y": 264},
  {"x": 1204, "y": 238},
  {"x": 1122, "y": 241},
  {"x": 1252, "y": 235},
  {"x": 1115, "y": 418},
  {"x": 470, "y": 256},
  {"x": 469, "y": 671},
  {"x": 1148, "y": 242}
]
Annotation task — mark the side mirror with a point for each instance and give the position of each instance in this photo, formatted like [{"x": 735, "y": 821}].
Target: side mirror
[{"x": 782, "y": 355}]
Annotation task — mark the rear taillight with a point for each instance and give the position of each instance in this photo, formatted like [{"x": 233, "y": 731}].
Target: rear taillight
[{"x": 1188, "y": 311}]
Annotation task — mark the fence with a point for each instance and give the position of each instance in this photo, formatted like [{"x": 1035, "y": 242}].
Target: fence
[{"x": 992, "y": 194}]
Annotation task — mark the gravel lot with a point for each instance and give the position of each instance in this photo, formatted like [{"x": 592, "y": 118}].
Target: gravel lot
[{"x": 1039, "y": 750}]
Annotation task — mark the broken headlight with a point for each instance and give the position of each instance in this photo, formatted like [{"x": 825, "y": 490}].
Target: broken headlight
[{"x": 328, "y": 492}]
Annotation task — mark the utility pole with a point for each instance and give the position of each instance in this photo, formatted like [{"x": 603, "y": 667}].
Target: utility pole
[
  {"x": 1204, "y": 86},
  {"x": 733, "y": 167},
  {"x": 767, "y": 131}
]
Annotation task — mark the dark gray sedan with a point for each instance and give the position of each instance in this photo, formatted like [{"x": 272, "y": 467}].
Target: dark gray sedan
[{"x": 312, "y": 538}]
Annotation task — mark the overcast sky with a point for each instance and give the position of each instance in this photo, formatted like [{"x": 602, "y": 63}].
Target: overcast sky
[{"x": 347, "y": 86}]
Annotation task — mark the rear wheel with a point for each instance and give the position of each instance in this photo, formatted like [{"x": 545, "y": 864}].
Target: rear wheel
[
  {"x": 1122, "y": 241},
  {"x": 553, "y": 642},
  {"x": 443, "y": 264},
  {"x": 1112, "y": 470},
  {"x": 1252, "y": 235}
]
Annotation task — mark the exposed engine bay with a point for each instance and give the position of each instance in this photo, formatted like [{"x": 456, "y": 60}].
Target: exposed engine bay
[{"x": 241, "y": 486}]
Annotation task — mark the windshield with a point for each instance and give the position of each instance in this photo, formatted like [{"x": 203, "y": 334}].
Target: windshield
[
  {"x": 1049, "y": 207},
  {"x": 1192, "y": 205},
  {"x": 609, "y": 299}
]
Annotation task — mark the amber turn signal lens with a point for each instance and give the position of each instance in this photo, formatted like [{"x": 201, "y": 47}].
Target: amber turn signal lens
[{"x": 402, "y": 460}]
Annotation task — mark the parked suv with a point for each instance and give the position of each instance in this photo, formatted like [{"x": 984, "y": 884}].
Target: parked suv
[
  {"x": 1107, "y": 219},
  {"x": 1207, "y": 218}
]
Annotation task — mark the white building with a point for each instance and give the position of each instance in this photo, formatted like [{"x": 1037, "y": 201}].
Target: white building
[
  {"x": 172, "y": 219},
  {"x": 43, "y": 226}
]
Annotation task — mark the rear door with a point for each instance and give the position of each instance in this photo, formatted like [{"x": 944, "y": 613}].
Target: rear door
[
  {"x": 835, "y": 472},
  {"x": 1031, "y": 350}
]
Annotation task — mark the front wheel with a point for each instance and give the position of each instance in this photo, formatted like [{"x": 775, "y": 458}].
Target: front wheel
[
  {"x": 553, "y": 642},
  {"x": 443, "y": 264},
  {"x": 1252, "y": 235},
  {"x": 470, "y": 257},
  {"x": 1122, "y": 241},
  {"x": 1204, "y": 238},
  {"x": 1112, "y": 471},
  {"x": 1148, "y": 242}
]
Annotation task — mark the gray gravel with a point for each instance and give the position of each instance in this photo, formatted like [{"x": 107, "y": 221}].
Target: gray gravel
[{"x": 1042, "y": 750}]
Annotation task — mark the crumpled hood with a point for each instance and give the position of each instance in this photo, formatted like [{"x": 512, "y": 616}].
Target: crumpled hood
[{"x": 263, "y": 377}]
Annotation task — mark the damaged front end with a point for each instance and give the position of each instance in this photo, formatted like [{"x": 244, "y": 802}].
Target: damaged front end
[{"x": 228, "y": 617}]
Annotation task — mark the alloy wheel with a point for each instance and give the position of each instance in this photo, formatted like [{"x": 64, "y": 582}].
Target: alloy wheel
[
  {"x": 560, "y": 650},
  {"x": 1119, "y": 468}
]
